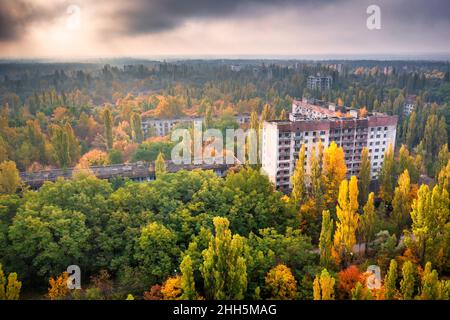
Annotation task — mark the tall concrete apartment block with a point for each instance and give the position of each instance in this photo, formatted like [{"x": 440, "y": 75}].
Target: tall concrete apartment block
[
  {"x": 308, "y": 123},
  {"x": 319, "y": 82}
]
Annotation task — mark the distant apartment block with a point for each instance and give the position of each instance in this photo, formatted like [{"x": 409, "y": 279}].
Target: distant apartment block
[
  {"x": 162, "y": 127},
  {"x": 409, "y": 105},
  {"x": 308, "y": 123},
  {"x": 319, "y": 82}
]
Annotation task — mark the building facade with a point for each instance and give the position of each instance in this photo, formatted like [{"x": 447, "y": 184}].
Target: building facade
[
  {"x": 319, "y": 82},
  {"x": 282, "y": 140},
  {"x": 162, "y": 127}
]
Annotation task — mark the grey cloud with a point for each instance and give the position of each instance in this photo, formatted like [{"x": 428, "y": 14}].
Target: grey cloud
[{"x": 17, "y": 15}]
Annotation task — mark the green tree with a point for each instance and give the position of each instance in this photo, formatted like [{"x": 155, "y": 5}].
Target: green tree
[
  {"x": 108, "y": 123},
  {"x": 224, "y": 268},
  {"x": 61, "y": 146},
  {"x": 368, "y": 221},
  {"x": 401, "y": 204},
  {"x": 298, "y": 179},
  {"x": 387, "y": 176},
  {"x": 430, "y": 284},
  {"x": 326, "y": 239},
  {"x": 187, "y": 279},
  {"x": 9, "y": 289},
  {"x": 430, "y": 215},
  {"x": 9, "y": 177},
  {"x": 407, "y": 283},
  {"x": 137, "y": 135},
  {"x": 364, "y": 176},
  {"x": 390, "y": 281},
  {"x": 359, "y": 292},
  {"x": 157, "y": 252},
  {"x": 160, "y": 165},
  {"x": 73, "y": 144}
]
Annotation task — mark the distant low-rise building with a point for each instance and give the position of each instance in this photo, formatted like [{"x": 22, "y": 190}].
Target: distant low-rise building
[
  {"x": 162, "y": 127},
  {"x": 308, "y": 124}
]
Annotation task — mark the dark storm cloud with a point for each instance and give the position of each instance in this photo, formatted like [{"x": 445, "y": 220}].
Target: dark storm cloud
[
  {"x": 150, "y": 16},
  {"x": 17, "y": 15}
]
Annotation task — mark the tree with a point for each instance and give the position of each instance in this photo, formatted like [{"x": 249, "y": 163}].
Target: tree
[
  {"x": 298, "y": 179},
  {"x": 401, "y": 204},
  {"x": 430, "y": 284},
  {"x": 9, "y": 289},
  {"x": 430, "y": 214},
  {"x": 160, "y": 165},
  {"x": 108, "y": 123},
  {"x": 171, "y": 289},
  {"x": 187, "y": 279},
  {"x": 208, "y": 121},
  {"x": 58, "y": 287},
  {"x": 334, "y": 170},
  {"x": 359, "y": 292},
  {"x": 326, "y": 240},
  {"x": 387, "y": 176},
  {"x": 281, "y": 284},
  {"x": 364, "y": 176},
  {"x": 390, "y": 281},
  {"x": 347, "y": 280},
  {"x": 368, "y": 220},
  {"x": 283, "y": 115},
  {"x": 61, "y": 146},
  {"x": 323, "y": 286},
  {"x": 157, "y": 252},
  {"x": 347, "y": 223},
  {"x": 407, "y": 283},
  {"x": 9, "y": 177},
  {"x": 411, "y": 130},
  {"x": 316, "y": 179},
  {"x": 224, "y": 268},
  {"x": 73, "y": 144},
  {"x": 137, "y": 135}
]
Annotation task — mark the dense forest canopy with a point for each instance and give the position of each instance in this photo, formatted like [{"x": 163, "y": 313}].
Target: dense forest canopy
[{"x": 194, "y": 235}]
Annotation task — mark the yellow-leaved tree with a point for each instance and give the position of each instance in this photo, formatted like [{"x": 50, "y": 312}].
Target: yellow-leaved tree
[
  {"x": 347, "y": 223},
  {"x": 323, "y": 286},
  {"x": 281, "y": 284},
  {"x": 334, "y": 170}
]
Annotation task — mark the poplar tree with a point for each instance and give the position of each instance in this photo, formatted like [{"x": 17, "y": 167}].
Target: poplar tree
[
  {"x": 368, "y": 220},
  {"x": 187, "y": 279},
  {"x": 364, "y": 176},
  {"x": 401, "y": 204},
  {"x": 137, "y": 134},
  {"x": 326, "y": 240},
  {"x": 387, "y": 176},
  {"x": 160, "y": 165},
  {"x": 108, "y": 123},
  {"x": 9, "y": 177},
  {"x": 298, "y": 179},
  {"x": 323, "y": 286},
  {"x": 407, "y": 283},
  {"x": 334, "y": 170},
  {"x": 73, "y": 144},
  {"x": 430, "y": 284},
  {"x": 347, "y": 223},
  {"x": 430, "y": 214},
  {"x": 390, "y": 281},
  {"x": 224, "y": 268}
]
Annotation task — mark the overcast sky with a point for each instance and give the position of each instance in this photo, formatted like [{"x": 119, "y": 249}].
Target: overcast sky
[{"x": 146, "y": 28}]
